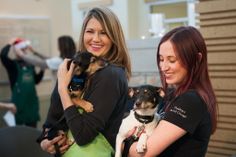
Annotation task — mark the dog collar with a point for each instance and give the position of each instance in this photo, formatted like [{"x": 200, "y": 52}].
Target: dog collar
[{"x": 143, "y": 119}]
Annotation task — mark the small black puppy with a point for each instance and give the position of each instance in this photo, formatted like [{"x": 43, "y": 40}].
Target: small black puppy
[{"x": 86, "y": 64}]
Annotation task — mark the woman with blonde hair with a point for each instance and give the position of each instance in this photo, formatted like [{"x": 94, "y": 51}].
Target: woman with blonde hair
[{"x": 101, "y": 35}]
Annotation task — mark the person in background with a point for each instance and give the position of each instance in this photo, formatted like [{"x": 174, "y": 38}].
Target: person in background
[
  {"x": 23, "y": 78},
  {"x": 101, "y": 35},
  {"x": 190, "y": 107},
  {"x": 66, "y": 47},
  {"x": 8, "y": 106}
]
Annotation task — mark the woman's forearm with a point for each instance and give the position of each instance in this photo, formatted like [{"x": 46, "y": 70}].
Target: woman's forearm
[
  {"x": 36, "y": 61},
  {"x": 65, "y": 97},
  {"x": 64, "y": 76}
]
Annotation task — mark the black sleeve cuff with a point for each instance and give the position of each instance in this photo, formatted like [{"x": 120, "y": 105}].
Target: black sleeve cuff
[{"x": 71, "y": 112}]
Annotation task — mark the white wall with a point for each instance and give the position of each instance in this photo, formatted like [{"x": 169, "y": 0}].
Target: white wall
[
  {"x": 143, "y": 61},
  {"x": 138, "y": 22}
]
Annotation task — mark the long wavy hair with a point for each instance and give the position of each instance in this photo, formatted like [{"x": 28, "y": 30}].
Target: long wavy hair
[
  {"x": 118, "y": 53},
  {"x": 191, "y": 49}
]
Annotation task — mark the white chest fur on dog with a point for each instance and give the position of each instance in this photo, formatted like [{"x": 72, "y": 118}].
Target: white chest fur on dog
[
  {"x": 128, "y": 124},
  {"x": 144, "y": 115}
]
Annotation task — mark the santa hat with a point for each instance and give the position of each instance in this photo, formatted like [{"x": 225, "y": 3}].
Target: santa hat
[{"x": 21, "y": 43}]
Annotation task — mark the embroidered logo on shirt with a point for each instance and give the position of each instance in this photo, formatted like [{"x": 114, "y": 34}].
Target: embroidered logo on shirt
[{"x": 179, "y": 111}]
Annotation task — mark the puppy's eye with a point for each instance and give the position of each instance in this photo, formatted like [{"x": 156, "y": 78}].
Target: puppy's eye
[{"x": 154, "y": 100}]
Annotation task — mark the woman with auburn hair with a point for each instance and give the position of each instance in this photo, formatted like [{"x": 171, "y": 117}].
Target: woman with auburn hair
[{"x": 190, "y": 107}]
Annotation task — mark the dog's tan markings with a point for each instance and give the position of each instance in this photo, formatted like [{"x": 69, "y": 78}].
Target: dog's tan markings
[
  {"x": 161, "y": 92},
  {"x": 86, "y": 105},
  {"x": 131, "y": 92}
]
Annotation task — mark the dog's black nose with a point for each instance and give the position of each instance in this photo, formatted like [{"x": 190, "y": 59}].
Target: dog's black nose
[{"x": 138, "y": 102}]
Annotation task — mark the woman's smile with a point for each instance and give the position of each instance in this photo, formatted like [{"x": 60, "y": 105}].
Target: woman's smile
[{"x": 96, "y": 39}]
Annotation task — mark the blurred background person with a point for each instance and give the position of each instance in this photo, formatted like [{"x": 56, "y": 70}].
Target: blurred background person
[
  {"x": 66, "y": 47},
  {"x": 23, "y": 79}
]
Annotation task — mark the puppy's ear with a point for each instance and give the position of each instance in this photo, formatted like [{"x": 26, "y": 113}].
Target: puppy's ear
[
  {"x": 69, "y": 63},
  {"x": 102, "y": 63},
  {"x": 93, "y": 59},
  {"x": 130, "y": 92},
  {"x": 161, "y": 91}
]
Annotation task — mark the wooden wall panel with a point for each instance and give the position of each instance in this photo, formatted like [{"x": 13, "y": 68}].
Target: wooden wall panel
[
  {"x": 224, "y": 31},
  {"x": 221, "y": 57},
  {"x": 217, "y": 21},
  {"x": 224, "y": 83},
  {"x": 221, "y": 41},
  {"x": 216, "y": 6}
]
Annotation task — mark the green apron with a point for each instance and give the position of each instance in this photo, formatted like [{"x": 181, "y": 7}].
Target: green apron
[
  {"x": 99, "y": 147},
  {"x": 24, "y": 96}
]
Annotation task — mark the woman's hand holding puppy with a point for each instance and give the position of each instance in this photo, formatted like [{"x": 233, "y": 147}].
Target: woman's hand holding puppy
[
  {"x": 60, "y": 140},
  {"x": 64, "y": 77}
]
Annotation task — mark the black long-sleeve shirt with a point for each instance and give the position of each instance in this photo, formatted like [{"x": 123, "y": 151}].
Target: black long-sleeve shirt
[
  {"x": 12, "y": 68},
  {"x": 108, "y": 93}
]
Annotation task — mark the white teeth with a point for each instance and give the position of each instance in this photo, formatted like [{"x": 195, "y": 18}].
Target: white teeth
[{"x": 96, "y": 46}]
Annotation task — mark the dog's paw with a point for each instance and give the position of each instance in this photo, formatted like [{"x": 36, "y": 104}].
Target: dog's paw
[
  {"x": 140, "y": 148},
  {"x": 85, "y": 105},
  {"x": 88, "y": 107},
  {"x": 142, "y": 143}
]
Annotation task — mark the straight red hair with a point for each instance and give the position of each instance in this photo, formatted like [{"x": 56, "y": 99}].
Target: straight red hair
[{"x": 190, "y": 47}]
